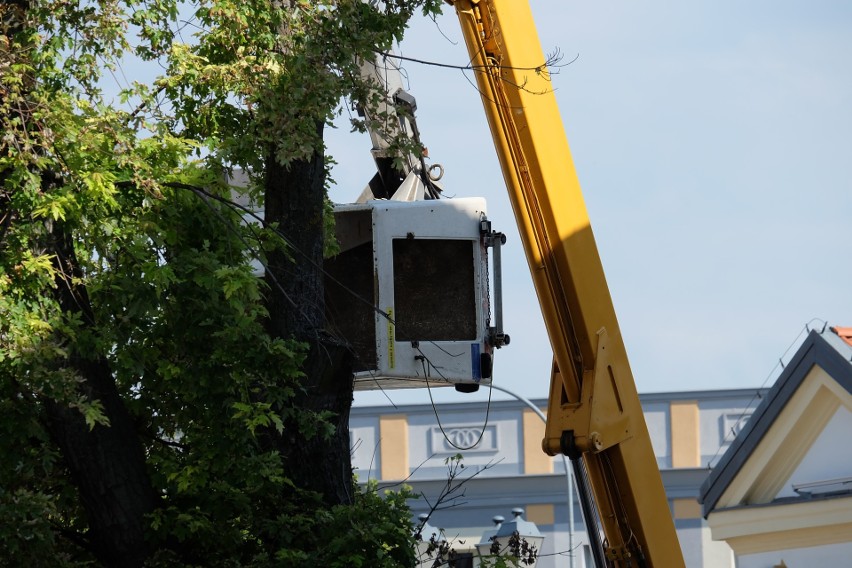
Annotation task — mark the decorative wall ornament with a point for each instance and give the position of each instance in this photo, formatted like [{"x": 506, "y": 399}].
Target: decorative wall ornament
[
  {"x": 731, "y": 426},
  {"x": 463, "y": 436}
]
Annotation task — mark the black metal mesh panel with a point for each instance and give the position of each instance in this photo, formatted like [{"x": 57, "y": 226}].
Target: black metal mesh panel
[{"x": 434, "y": 294}]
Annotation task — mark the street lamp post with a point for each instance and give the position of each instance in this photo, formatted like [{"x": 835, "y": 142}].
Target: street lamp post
[
  {"x": 484, "y": 545},
  {"x": 519, "y": 541},
  {"x": 428, "y": 533},
  {"x": 569, "y": 479}
]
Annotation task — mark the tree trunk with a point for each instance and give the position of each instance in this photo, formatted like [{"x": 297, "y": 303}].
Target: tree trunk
[
  {"x": 294, "y": 198},
  {"x": 107, "y": 463}
]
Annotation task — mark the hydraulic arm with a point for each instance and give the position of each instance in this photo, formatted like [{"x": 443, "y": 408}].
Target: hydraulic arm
[{"x": 594, "y": 415}]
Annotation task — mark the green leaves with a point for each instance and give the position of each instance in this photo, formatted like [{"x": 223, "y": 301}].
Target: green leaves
[
  {"x": 257, "y": 415},
  {"x": 113, "y": 114},
  {"x": 26, "y": 531}
]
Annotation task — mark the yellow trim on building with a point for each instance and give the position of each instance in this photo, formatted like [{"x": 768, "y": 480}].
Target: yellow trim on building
[
  {"x": 393, "y": 446},
  {"x": 686, "y": 509},
  {"x": 541, "y": 514},
  {"x": 795, "y": 538},
  {"x": 752, "y": 530},
  {"x": 686, "y": 435},
  {"x": 535, "y": 460}
]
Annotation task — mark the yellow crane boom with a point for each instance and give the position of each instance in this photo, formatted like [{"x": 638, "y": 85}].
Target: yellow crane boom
[{"x": 594, "y": 415}]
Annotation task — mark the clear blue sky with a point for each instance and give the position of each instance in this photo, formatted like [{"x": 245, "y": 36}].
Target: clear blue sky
[{"x": 713, "y": 141}]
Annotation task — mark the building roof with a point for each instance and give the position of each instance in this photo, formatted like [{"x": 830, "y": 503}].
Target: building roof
[
  {"x": 845, "y": 333},
  {"x": 831, "y": 351}
]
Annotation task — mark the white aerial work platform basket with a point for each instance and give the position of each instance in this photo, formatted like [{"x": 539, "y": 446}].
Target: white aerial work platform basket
[{"x": 409, "y": 291}]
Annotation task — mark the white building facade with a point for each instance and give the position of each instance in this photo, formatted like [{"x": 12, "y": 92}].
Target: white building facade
[
  {"x": 505, "y": 468},
  {"x": 781, "y": 496}
]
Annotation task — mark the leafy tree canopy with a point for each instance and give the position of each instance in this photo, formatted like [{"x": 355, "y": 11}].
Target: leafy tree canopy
[{"x": 130, "y": 317}]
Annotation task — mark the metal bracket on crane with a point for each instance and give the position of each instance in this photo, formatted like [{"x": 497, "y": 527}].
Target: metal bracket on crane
[
  {"x": 495, "y": 240},
  {"x": 594, "y": 423}
]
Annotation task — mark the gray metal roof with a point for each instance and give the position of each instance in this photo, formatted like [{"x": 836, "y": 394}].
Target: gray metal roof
[{"x": 823, "y": 348}]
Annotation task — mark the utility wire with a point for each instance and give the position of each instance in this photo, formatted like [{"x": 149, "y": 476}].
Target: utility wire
[
  {"x": 425, "y": 360},
  {"x": 733, "y": 431},
  {"x": 201, "y": 192}
]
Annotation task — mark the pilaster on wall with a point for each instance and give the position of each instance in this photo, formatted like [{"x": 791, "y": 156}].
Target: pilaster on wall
[
  {"x": 686, "y": 509},
  {"x": 535, "y": 460},
  {"x": 685, "y": 433},
  {"x": 541, "y": 514},
  {"x": 393, "y": 446}
]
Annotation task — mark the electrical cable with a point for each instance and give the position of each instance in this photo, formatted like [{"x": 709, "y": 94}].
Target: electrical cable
[
  {"x": 423, "y": 362},
  {"x": 284, "y": 239},
  {"x": 732, "y": 432}
]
